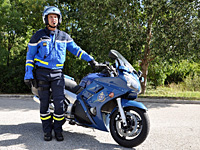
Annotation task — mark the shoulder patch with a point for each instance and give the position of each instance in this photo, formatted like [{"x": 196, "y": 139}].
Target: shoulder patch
[{"x": 45, "y": 44}]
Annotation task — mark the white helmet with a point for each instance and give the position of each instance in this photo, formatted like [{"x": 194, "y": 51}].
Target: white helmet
[{"x": 51, "y": 10}]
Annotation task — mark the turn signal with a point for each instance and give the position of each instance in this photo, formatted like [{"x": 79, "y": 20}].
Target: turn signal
[{"x": 111, "y": 95}]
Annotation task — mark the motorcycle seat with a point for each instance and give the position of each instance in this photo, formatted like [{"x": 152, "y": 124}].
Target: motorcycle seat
[{"x": 72, "y": 86}]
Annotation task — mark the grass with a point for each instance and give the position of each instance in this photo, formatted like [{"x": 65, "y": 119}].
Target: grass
[{"x": 172, "y": 92}]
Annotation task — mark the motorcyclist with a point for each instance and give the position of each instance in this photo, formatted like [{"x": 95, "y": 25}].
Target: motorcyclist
[{"x": 47, "y": 52}]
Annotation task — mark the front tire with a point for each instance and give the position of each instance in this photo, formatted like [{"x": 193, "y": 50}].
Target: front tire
[{"x": 136, "y": 130}]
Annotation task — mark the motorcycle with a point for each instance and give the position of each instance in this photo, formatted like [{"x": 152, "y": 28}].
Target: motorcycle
[{"x": 105, "y": 101}]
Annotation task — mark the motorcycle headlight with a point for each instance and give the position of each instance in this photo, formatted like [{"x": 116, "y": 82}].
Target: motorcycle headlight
[{"x": 132, "y": 82}]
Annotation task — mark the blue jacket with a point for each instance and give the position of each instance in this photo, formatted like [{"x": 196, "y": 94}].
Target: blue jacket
[{"x": 48, "y": 49}]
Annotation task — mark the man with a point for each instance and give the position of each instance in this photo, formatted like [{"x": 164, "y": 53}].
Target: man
[{"x": 47, "y": 52}]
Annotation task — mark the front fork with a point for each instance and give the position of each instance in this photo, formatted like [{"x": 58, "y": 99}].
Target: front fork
[{"x": 121, "y": 111}]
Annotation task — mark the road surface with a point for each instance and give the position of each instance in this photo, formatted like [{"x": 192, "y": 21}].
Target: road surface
[{"x": 173, "y": 127}]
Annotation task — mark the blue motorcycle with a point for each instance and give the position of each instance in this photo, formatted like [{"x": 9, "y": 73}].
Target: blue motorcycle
[{"x": 105, "y": 101}]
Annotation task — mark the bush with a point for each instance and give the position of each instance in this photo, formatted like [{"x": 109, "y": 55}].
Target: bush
[
  {"x": 192, "y": 82},
  {"x": 157, "y": 73},
  {"x": 12, "y": 80},
  {"x": 177, "y": 72},
  {"x": 167, "y": 72}
]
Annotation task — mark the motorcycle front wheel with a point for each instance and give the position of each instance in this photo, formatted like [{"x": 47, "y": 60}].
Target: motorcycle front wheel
[{"x": 136, "y": 130}]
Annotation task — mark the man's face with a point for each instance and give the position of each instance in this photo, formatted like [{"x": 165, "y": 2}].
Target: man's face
[{"x": 53, "y": 20}]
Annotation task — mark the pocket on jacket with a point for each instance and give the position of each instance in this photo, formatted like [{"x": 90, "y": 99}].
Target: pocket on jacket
[{"x": 44, "y": 49}]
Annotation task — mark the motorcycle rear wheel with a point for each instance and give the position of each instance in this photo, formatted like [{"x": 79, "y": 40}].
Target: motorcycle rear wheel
[{"x": 136, "y": 130}]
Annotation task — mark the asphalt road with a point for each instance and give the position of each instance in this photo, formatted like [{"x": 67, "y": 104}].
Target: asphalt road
[{"x": 174, "y": 126}]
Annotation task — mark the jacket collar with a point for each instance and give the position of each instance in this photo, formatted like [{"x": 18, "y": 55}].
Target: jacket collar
[{"x": 50, "y": 32}]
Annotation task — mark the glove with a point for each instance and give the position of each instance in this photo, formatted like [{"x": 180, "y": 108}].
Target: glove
[
  {"x": 28, "y": 82},
  {"x": 93, "y": 64}
]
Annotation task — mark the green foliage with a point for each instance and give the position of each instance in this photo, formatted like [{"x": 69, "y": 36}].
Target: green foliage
[
  {"x": 177, "y": 71},
  {"x": 107, "y": 25},
  {"x": 76, "y": 68},
  {"x": 12, "y": 77},
  {"x": 163, "y": 34},
  {"x": 173, "y": 90},
  {"x": 192, "y": 82},
  {"x": 157, "y": 73},
  {"x": 167, "y": 72},
  {"x": 176, "y": 26}
]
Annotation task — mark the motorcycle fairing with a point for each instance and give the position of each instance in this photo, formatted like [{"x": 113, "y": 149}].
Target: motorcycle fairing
[
  {"x": 126, "y": 103},
  {"x": 96, "y": 96},
  {"x": 87, "y": 80},
  {"x": 114, "y": 83}
]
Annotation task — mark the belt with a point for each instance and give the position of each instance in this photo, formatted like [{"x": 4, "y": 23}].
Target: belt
[{"x": 48, "y": 69}]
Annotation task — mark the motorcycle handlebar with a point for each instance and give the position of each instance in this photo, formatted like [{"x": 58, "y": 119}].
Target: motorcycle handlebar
[{"x": 100, "y": 65}]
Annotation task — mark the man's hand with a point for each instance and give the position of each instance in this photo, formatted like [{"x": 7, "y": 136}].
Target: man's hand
[
  {"x": 28, "y": 82},
  {"x": 93, "y": 64}
]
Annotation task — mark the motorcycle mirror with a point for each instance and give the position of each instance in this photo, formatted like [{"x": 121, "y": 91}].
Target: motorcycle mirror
[
  {"x": 112, "y": 54},
  {"x": 139, "y": 73},
  {"x": 141, "y": 79}
]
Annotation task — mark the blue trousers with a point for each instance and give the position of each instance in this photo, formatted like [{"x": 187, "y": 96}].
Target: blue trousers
[{"x": 51, "y": 82}]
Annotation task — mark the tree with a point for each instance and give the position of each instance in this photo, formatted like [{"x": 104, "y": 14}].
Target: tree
[
  {"x": 9, "y": 29},
  {"x": 170, "y": 32},
  {"x": 16, "y": 21},
  {"x": 139, "y": 29},
  {"x": 144, "y": 30}
]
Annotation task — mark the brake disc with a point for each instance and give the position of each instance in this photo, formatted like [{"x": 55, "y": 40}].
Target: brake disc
[{"x": 131, "y": 129}]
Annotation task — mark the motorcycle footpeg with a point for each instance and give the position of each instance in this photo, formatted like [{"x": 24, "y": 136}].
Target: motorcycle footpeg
[
  {"x": 72, "y": 122},
  {"x": 69, "y": 116}
]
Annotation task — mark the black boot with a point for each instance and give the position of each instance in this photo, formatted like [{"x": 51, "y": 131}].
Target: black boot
[
  {"x": 47, "y": 136},
  {"x": 59, "y": 136}
]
